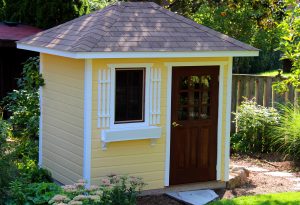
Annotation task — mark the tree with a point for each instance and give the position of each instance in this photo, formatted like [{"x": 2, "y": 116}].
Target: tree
[
  {"x": 250, "y": 21},
  {"x": 41, "y": 13},
  {"x": 290, "y": 44}
]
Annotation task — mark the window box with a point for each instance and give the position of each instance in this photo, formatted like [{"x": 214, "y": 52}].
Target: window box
[{"x": 126, "y": 134}]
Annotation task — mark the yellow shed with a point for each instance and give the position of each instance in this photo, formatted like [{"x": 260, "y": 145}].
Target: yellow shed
[{"x": 135, "y": 89}]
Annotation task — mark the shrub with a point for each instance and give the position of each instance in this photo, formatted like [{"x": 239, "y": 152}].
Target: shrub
[
  {"x": 286, "y": 134},
  {"x": 35, "y": 193},
  {"x": 253, "y": 123},
  {"x": 113, "y": 190}
]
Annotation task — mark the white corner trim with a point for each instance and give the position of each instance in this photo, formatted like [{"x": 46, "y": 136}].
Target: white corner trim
[
  {"x": 228, "y": 117},
  {"x": 140, "y": 133},
  {"x": 41, "y": 117},
  {"x": 169, "y": 66},
  {"x": 220, "y": 115},
  {"x": 157, "y": 54},
  {"x": 147, "y": 95},
  {"x": 87, "y": 124},
  {"x": 168, "y": 126}
]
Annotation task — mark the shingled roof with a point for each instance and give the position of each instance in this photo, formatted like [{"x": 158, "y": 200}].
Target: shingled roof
[{"x": 134, "y": 27}]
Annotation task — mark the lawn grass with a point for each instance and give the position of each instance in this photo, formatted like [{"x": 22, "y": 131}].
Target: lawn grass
[
  {"x": 273, "y": 73},
  {"x": 287, "y": 198}
]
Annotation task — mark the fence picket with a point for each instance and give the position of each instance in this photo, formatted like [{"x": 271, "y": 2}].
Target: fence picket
[{"x": 260, "y": 87}]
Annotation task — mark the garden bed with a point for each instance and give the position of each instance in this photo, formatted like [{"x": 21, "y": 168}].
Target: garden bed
[{"x": 258, "y": 183}]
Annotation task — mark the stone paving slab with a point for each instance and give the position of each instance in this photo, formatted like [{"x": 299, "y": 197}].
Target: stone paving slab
[
  {"x": 279, "y": 174},
  {"x": 197, "y": 197}
]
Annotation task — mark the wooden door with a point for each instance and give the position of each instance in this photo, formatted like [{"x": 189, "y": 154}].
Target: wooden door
[{"x": 194, "y": 124}]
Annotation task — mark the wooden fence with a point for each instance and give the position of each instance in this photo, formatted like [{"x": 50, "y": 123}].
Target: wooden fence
[{"x": 260, "y": 88}]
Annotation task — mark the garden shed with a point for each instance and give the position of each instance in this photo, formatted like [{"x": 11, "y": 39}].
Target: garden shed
[{"x": 135, "y": 89}]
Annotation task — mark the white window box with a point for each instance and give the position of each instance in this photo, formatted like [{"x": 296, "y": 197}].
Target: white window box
[{"x": 126, "y": 134}]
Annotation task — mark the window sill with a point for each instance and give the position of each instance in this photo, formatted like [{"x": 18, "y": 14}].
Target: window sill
[{"x": 127, "y": 134}]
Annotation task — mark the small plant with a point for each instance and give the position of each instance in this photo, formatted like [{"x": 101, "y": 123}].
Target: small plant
[
  {"x": 253, "y": 123},
  {"x": 286, "y": 134},
  {"x": 113, "y": 190}
]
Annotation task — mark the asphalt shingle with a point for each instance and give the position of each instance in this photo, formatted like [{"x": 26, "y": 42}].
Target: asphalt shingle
[{"x": 134, "y": 26}]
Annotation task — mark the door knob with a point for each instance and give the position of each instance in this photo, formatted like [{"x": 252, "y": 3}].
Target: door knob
[{"x": 175, "y": 124}]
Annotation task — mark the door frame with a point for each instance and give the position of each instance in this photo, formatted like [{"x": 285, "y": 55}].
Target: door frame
[{"x": 221, "y": 65}]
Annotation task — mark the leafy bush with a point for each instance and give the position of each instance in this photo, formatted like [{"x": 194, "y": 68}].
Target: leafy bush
[
  {"x": 114, "y": 190},
  {"x": 23, "y": 104},
  {"x": 35, "y": 193},
  {"x": 253, "y": 124},
  {"x": 286, "y": 134}
]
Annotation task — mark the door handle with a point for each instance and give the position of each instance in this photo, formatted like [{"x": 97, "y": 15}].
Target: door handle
[{"x": 175, "y": 124}]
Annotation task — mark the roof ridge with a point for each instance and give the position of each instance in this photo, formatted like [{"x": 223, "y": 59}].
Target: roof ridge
[
  {"x": 207, "y": 29},
  {"x": 90, "y": 34}
]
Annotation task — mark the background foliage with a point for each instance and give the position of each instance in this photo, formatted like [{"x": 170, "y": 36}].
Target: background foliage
[
  {"x": 43, "y": 14},
  {"x": 18, "y": 137},
  {"x": 250, "y": 21}
]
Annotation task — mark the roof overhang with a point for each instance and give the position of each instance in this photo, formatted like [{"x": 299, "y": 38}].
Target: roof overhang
[{"x": 142, "y": 54}]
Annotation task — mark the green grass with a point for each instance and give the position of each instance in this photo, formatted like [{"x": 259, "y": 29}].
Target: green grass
[
  {"x": 287, "y": 198},
  {"x": 273, "y": 73}
]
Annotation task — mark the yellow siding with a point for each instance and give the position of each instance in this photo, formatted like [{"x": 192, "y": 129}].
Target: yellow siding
[
  {"x": 139, "y": 158},
  {"x": 63, "y": 117}
]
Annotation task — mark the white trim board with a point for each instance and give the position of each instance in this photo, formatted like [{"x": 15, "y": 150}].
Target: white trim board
[
  {"x": 170, "y": 65},
  {"x": 157, "y": 54},
  {"x": 228, "y": 117},
  {"x": 87, "y": 121},
  {"x": 41, "y": 117}
]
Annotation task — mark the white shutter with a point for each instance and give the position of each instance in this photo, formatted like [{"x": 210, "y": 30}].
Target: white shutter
[
  {"x": 103, "y": 98},
  {"x": 155, "y": 92}
]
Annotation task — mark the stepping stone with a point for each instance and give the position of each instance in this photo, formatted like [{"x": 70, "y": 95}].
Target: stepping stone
[
  {"x": 279, "y": 174},
  {"x": 295, "y": 179},
  {"x": 256, "y": 169},
  {"x": 197, "y": 197},
  {"x": 297, "y": 187}
]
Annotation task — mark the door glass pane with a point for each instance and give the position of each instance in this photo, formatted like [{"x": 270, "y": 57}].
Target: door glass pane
[
  {"x": 205, "y": 81},
  {"x": 194, "y": 113},
  {"x": 204, "y": 112},
  {"x": 195, "y": 82},
  {"x": 183, "y": 83},
  {"x": 205, "y": 98},
  {"x": 183, "y": 98},
  {"x": 183, "y": 114},
  {"x": 196, "y": 98}
]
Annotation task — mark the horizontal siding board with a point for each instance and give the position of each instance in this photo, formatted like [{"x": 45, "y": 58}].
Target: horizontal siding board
[
  {"x": 129, "y": 159},
  {"x": 55, "y": 167},
  {"x": 72, "y": 155},
  {"x": 64, "y": 161},
  {"x": 64, "y": 126},
  {"x": 52, "y": 104},
  {"x": 63, "y": 97},
  {"x": 65, "y": 117},
  {"x": 129, "y": 168},
  {"x": 65, "y": 89},
  {"x": 65, "y": 136}
]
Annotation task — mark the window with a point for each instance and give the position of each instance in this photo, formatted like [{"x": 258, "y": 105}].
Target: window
[{"x": 129, "y": 95}]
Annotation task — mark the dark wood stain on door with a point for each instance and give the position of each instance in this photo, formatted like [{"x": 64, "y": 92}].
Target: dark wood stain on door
[{"x": 194, "y": 124}]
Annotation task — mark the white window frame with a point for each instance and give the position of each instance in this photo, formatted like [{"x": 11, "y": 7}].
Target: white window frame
[{"x": 147, "y": 101}]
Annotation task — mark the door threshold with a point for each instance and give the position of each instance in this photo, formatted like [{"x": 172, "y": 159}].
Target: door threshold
[{"x": 187, "y": 187}]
